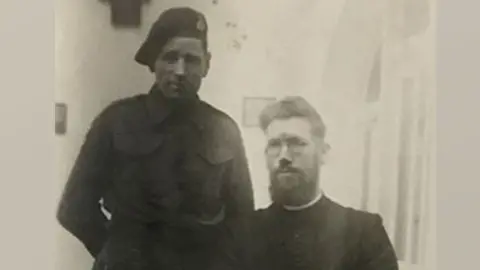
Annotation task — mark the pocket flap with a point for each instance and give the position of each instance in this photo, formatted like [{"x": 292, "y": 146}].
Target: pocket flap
[{"x": 216, "y": 154}]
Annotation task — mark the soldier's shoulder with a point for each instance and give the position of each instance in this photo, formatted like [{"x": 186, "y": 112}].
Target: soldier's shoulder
[
  {"x": 216, "y": 112},
  {"x": 126, "y": 105},
  {"x": 220, "y": 117}
]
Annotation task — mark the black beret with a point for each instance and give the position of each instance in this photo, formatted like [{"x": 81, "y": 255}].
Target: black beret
[{"x": 174, "y": 22}]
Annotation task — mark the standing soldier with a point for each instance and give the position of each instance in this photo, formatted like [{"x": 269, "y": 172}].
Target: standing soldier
[{"x": 170, "y": 168}]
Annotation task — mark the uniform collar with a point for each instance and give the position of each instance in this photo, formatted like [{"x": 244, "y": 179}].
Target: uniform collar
[{"x": 159, "y": 109}]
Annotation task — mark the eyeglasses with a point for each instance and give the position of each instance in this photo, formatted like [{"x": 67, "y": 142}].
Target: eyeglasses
[{"x": 294, "y": 146}]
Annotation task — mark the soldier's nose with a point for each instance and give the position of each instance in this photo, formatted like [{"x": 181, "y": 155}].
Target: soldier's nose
[{"x": 180, "y": 67}]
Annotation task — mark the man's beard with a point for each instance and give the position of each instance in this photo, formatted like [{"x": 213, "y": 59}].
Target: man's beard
[{"x": 291, "y": 186}]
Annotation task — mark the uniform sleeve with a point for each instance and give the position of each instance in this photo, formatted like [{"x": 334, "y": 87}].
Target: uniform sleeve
[
  {"x": 377, "y": 252},
  {"x": 239, "y": 197},
  {"x": 79, "y": 210},
  {"x": 237, "y": 251}
]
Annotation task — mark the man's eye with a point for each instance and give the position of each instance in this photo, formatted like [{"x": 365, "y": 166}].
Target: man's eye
[
  {"x": 191, "y": 59},
  {"x": 273, "y": 149},
  {"x": 296, "y": 142},
  {"x": 273, "y": 144},
  {"x": 170, "y": 57},
  {"x": 301, "y": 143}
]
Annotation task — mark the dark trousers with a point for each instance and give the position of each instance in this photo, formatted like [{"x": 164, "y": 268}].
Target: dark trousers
[{"x": 141, "y": 247}]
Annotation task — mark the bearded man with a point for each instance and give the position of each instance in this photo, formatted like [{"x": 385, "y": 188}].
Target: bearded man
[{"x": 303, "y": 228}]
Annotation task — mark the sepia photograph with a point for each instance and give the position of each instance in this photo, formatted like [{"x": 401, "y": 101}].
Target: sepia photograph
[{"x": 245, "y": 135}]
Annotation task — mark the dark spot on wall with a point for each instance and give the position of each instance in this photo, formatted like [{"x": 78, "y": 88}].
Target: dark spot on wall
[
  {"x": 231, "y": 25},
  {"x": 237, "y": 44}
]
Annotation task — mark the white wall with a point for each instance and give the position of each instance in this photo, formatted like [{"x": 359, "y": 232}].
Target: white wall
[{"x": 322, "y": 55}]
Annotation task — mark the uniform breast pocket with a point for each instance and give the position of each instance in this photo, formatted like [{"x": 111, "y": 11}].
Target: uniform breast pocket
[
  {"x": 205, "y": 174},
  {"x": 132, "y": 151},
  {"x": 137, "y": 144}
]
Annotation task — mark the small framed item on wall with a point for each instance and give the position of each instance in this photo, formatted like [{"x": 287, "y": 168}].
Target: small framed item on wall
[
  {"x": 126, "y": 13},
  {"x": 252, "y": 107},
  {"x": 60, "y": 118}
]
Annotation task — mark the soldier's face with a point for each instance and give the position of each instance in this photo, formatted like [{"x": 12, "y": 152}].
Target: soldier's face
[
  {"x": 293, "y": 160},
  {"x": 180, "y": 67}
]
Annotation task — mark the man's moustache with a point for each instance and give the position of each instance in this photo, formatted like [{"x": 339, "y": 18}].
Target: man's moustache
[
  {"x": 287, "y": 170},
  {"x": 179, "y": 86}
]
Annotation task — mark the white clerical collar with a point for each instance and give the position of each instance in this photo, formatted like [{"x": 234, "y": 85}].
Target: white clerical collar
[{"x": 305, "y": 206}]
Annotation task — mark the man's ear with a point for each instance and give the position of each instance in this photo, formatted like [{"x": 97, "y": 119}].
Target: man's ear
[
  {"x": 153, "y": 63},
  {"x": 326, "y": 148},
  {"x": 324, "y": 152},
  {"x": 208, "y": 58}
]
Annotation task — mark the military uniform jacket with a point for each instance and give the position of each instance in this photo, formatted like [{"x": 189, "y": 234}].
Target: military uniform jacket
[
  {"x": 173, "y": 177},
  {"x": 325, "y": 236}
]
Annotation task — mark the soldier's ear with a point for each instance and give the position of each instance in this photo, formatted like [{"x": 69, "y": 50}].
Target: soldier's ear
[
  {"x": 153, "y": 64},
  {"x": 208, "y": 57}
]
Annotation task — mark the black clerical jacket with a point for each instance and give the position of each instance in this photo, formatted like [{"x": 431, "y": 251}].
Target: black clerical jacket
[{"x": 325, "y": 236}]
